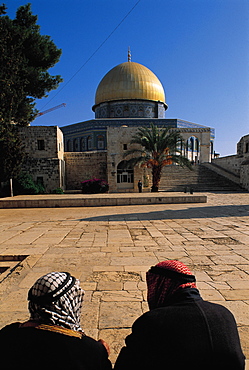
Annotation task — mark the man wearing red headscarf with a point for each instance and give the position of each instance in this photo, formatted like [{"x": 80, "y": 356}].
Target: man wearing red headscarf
[{"x": 181, "y": 331}]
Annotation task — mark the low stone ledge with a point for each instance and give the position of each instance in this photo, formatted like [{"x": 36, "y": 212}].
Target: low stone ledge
[{"x": 98, "y": 201}]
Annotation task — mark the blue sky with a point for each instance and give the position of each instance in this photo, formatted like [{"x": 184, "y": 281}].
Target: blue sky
[{"x": 199, "y": 49}]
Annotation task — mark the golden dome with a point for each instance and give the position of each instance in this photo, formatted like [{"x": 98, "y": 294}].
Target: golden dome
[{"x": 129, "y": 80}]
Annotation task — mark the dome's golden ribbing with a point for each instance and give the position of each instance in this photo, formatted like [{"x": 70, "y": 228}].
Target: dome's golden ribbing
[{"x": 129, "y": 80}]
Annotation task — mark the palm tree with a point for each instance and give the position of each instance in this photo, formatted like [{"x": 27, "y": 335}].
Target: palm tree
[{"x": 159, "y": 148}]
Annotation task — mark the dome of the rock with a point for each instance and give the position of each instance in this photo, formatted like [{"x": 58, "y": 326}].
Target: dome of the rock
[{"x": 129, "y": 81}]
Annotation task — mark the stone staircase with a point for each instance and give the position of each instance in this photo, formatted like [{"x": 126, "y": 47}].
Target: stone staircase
[{"x": 200, "y": 179}]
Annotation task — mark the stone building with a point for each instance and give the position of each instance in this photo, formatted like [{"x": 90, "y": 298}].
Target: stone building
[
  {"x": 237, "y": 165},
  {"x": 44, "y": 149},
  {"x": 128, "y": 97}
]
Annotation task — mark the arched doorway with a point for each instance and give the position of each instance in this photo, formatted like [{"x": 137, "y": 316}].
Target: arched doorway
[
  {"x": 125, "y": 175},
  {"x": 193, "y": 149}
]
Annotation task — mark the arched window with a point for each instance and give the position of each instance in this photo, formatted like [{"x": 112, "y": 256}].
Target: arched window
[
  {"x": 126, "y": 111},
  {"x": 125, "y": 173},
  {"x": 211, "y": 148},
  {"x": 140, "y": 111},
  {"x": 100, "y": 142},
  {"x": 69, "y": 146},
  {"x": 192, "y": 144},
  {"x": 82, "y": 144},
  {"x": 193, "y": 149},
  {"x": 180, "y": 147},
  {"x": 75, "y": 145},
  {"x": 89, "y": 143},
  {"x": 187, "y": 145}
]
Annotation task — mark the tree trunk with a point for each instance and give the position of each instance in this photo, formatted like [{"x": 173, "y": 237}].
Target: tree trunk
[
  {"x": 154, "y": 189},
  {"x": 11, "y": 188},
  {"x": 156, "y": 176}
]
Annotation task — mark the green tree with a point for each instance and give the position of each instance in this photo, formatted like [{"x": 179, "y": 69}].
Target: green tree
[
  {"x": 158, "y": 148},
  {"x": 25, "y": 57},
  {"x": 3, "y": 9},
  {"x": 11, "y": 154}
]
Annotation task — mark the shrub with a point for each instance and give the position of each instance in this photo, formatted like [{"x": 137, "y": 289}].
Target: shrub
[
  {"x": 24, "y": 184},
  {"x": 58, "y": 191},
  {"x": 40, "y": 188},
  {"x": 4, "y": 190},
  {"x": 94, "y": 186}
]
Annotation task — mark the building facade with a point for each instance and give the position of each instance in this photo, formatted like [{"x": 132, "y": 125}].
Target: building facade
[
  {"x": 128, "y": 97},
  {"x": 44, "y": 160}
]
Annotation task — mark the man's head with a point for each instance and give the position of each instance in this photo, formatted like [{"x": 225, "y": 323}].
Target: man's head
[
  {"x": 56, "y": 298},
  {"x": 165, "y": 279}
]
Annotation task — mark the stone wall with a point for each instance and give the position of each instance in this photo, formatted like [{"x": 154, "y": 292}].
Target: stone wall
[
  {"x": 42, "y": 141},
  {"x": 118, "y": 142},
  {"x": 245, "y": 175},
  {"x": 237, "y": 164},
  {"x": 83, "y": 166},
  {"x": 44, "y": 150},
  {"x": 243, "y": 150},
  {"x": 231, "y": 163},
  {"x": 243, "y": 146},
  {"x": 48, "y": 171}
]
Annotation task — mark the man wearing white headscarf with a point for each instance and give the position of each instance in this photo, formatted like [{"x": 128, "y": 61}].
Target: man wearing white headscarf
[{"x": 53, "y": 337}]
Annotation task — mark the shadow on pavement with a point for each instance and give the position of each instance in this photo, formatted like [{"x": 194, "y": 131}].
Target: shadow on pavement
[{"x": 191, "y": 212}]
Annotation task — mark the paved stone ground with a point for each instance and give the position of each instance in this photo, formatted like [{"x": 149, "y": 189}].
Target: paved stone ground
[{"x": 110, "y": 248}]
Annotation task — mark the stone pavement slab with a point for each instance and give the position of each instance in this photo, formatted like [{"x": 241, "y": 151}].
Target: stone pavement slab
[{"x": 110, "y": 249}]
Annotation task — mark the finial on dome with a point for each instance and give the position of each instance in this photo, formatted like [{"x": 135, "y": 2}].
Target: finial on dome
[{"x": 129, "y": 54}]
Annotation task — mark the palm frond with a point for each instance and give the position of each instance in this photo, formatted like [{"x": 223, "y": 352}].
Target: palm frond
[
  {"x": 138, "y": 160},
  {"x": 182, "y": 161},
  {"x": 159, "y": 147},
  {"x": 133, "y": 151}
]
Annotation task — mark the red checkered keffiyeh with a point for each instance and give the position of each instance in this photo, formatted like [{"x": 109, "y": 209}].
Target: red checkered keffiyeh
[{"x": 166, "y": 278}]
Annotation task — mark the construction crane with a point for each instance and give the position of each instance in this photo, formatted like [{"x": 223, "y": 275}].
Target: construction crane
[{"x": 51, "y": 109}]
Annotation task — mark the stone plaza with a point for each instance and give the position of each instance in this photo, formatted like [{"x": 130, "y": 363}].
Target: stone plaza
[{"x": 110, "y": 249}]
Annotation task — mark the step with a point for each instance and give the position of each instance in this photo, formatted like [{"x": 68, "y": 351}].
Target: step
[{"x": 175, "y": 178}]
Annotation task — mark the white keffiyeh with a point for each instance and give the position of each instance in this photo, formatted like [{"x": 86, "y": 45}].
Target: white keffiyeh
[{"x": 57, "y": 298}]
